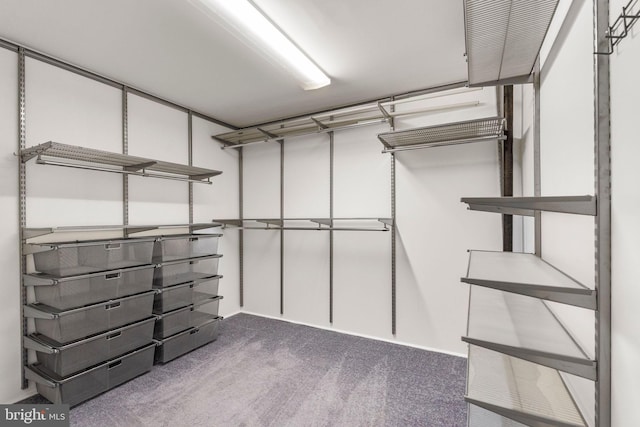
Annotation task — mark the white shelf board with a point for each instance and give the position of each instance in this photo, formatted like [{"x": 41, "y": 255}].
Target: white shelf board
[
  {"x": 524, "y": 327},
  {"x": 526, "y": 274},
  {"x": 520, "y": 390}
]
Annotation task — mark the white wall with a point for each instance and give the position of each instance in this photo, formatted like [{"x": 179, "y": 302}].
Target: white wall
[
  {"x": 10, "y": 325},
  {"x": 434, "y": 228},
  {"x": 71, "y": 109},
  {"x": 625, "y": 175},
  {"x": 567, "y": 168},
  {"x": 219, "y": 201}
]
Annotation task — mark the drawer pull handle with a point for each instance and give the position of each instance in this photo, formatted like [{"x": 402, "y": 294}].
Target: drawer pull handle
[
  {"x": 111, "y": 246},
  {"x": 115, "y": 364},
  {"x": 193, "y": 239},
  {"x": 114, "y": 335},
  {"x": 194, "y": 331},
  {"x": 112, "y": 276},
  {"x": 112, "y": 306}
]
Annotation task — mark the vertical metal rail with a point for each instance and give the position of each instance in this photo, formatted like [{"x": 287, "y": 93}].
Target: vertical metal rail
[
  {"x": 507, "y": 169},
  {"x": 331, "y": 158},
  {"x": 125, "y": 150},
  {"x": 393, "y": 243},
  {"x": 190, "y": 154},
  {"x": 281, "y": 230},
  {"x": 602, "y": 121},
  {"x": 241, "y": 231},
  {"x": 537, "y": 183},
  {"x": 392, "y": 126},
  {"x": 22, "y": 214}
]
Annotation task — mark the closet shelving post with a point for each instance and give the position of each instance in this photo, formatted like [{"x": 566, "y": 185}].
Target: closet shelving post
[{"x": 519, "y": 351}]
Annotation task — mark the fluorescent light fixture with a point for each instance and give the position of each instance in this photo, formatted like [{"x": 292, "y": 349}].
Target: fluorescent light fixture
[{"x": 253, "y": 27}]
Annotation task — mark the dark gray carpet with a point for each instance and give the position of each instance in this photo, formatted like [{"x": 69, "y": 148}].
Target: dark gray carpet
[{"x": 264, "y": 372}]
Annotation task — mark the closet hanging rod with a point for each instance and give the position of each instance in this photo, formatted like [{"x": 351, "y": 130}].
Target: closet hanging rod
[
  {"x": 443, "y": 144},
  {"x": 41, "y": 161}
]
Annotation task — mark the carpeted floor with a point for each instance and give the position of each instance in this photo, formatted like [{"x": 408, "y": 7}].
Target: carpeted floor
[{"x": 264, "y": 372}]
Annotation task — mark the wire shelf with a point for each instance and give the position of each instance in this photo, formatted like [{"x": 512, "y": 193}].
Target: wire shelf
[
  {"x": 30, "y": 233},
  {"x": 520, "y": 390},
  {"x": 503, "y": 38},
  {"x": 524, "y": 327},
  {"x": 526, "y": 274},
  {"x": 339, "y": 119},
  {"x": 89, "y": 158},
  {"x": 309, "y": 224},
  {"x": 447, "y": 134}
]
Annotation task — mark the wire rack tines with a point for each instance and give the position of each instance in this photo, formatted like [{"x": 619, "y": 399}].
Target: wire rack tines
[
  {"x": 447, "y": 134},
  {"x": 54, "y": 153}
]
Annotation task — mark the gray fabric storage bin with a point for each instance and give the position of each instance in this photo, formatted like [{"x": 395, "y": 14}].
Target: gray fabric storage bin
[
  {"x": 175, "y": 272},
  {"x": 67, "y": 359},
  {"x": 65, "y": 326},
  {"x": 171, "y": 248},
  {"x": 87, "y": 384},
  {"x": 172, "y": 297},
  {"x": 186, "y": 341},
  {"x": 76, "y": 291},
  {"x": 75, "y": 258}
]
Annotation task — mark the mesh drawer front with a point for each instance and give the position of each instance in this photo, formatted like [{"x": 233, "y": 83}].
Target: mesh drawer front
[
  {"x": 72, "y": 325},
  {"x": 172, "y": 322},
  {"x": 205, "y": 289},
  {"x": 77, "y": 291},
  {"x": 176, "y": 272},
  {"x": 173, "y": 297},
  {"x": 173, "y": 248},
  {"x": 65, "y": 360},
  {"x": 186, "y": 341},
  {"x": 87, "y": 384},
  {"x": 71, "y": 259}
]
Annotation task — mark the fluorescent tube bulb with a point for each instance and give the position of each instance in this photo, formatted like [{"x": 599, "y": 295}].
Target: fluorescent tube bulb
[{"x": 255, "y": 28}]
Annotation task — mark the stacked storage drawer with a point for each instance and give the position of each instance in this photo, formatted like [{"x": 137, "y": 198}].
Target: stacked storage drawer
[
  {"x": 186, "y": 300},
  {"x": 93, "y": 316}
]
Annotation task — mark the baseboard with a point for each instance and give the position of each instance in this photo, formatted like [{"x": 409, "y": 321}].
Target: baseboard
[
  {"x": 226, "y": 316},
  {"x": 341, "y": 331}
]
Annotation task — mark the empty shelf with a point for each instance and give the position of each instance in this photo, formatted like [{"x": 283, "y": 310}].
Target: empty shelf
[
  {"x": 580, "y": 205},
  {"x": 524, "y": 327},
  {"x": 310, "y": 224},
  {"x": 520, "y": 390},
  {"x": 526, "y": 274},
  {"x": 447, "y": 134},
  {"x": 88, "y": 158},
  {"x": 479, "y": 417},
  {"x": 122, "y": 230},
  {"x": 344, "y": 118},
  {"x": 503, "y": 38}
]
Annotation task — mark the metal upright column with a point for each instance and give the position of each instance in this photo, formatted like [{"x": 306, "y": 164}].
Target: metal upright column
[
  {"x": 603, "y": 217},
  {"x": 22, "y": 214},
  {"x": 241, "y": 231},
  {"x": 537, "y": 187},
  {"x": 393, "y": 243},
  {"x": 331, "y": 158},
  {"x": 281, "y": 230},
  {"x": 507, "y": 168},
  {"x": 392, "y": 126},
  {"x": 190, "y": 154},
  {"x": 125, "y": 150}
]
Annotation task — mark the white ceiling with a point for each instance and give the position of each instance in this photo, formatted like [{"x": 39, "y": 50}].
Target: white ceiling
[{"x": 369, "y": 48}]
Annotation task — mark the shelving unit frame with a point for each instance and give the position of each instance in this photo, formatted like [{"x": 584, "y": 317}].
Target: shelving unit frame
[
  {"x": 25, "y": 233},
  {"x": 598, "y": 299}
]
